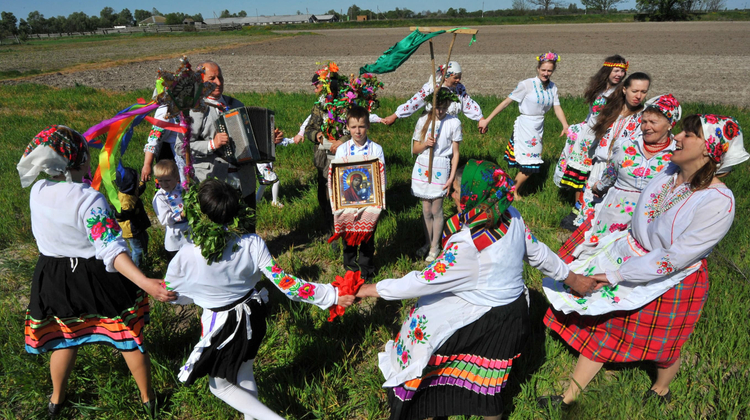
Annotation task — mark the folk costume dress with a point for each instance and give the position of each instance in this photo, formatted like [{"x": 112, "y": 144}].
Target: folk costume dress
[
  {"x": 159, "y": 137},
  {"x": 574, "y": 164},
  {"x": 525, "y": 145},
  {"x": 627, "y": 174},
  {"x": 658, "y": 274},
  {"x": 448, "y": 131},
  {"x": 624, "y": 128},
  {"x": 459, "y": 342},
  {"x": 234, "y": 311},
  {"x": 77, "y": 297}
]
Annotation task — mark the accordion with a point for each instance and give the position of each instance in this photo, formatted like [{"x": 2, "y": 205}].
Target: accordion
[{"x": 251, "y": 135}]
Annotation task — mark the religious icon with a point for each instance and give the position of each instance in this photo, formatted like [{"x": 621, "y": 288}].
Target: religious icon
[{"x": 356, "y": 184}]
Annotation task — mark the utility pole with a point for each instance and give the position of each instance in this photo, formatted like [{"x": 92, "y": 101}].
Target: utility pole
[{"x": 482, "y": 10}]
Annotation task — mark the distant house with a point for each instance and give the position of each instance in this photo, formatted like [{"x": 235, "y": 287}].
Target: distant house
[
  {"x": 153, "y": 20},
  {"x": 261, "y": 20},
  {"x": 361, "y": 18},
  {"x": 188, "y": 21},
  {"x": 326, "y": 18}
]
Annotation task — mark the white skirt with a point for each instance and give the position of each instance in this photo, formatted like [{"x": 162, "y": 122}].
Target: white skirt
[
  {"x": 527, "y": 137},
  {"x": 420, "y": 176}
]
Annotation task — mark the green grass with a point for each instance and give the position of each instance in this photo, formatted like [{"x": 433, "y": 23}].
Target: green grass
[{"x": 310, "y": 369}]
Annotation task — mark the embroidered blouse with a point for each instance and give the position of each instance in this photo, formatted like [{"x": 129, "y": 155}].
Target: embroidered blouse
[
  {"x": 533, "y": 99},
  {"x": 629, "y": 169},
  {"x": 245, "y": 262},
  {"x": 468, "y": 106},
  {"x": 624, "y": 128},
  {"x": 448, "y": 131},
  {"x": 74, "y": 220},
  {"x": 159, "y": 135},
  {"x": 677, "y": 227}
]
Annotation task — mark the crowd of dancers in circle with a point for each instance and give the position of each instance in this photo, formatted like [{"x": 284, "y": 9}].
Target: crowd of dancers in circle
[{"x": 629, "y": 285}]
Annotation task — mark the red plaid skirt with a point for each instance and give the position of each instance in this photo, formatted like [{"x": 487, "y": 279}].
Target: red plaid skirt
[
  {"x": 655, "y": 332},
  {"x": 576, "y": 238}
]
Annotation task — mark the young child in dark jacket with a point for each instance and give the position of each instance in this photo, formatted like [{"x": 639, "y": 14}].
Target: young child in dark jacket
[{"x": 132, "y": 216}]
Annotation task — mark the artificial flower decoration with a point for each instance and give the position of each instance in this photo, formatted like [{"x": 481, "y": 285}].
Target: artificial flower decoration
[
  {"x": 183, "y": 90},
  {"x": 550, "y": 56}
]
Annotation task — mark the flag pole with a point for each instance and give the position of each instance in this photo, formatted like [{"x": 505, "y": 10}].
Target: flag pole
[{"x": 435, "y": 89}]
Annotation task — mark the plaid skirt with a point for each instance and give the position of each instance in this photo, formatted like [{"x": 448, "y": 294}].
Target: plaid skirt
[
  {"x": 655, "y": 332},
  {"x": 576, "y": 238}
]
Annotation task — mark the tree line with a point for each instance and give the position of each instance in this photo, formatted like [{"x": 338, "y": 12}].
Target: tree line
[{"x": 36, "y": 23}]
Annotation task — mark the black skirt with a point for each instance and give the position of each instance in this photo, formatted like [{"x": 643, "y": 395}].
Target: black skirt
[
  {"x": 466, "y": 373},
  {"x": 225, "y": 362},
  {"x": 76, "y": 301}
]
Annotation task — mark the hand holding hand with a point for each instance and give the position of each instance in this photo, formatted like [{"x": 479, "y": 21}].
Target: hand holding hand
[
  {"x": 346, "y": 301},
  {"x": 278, "y": 136},
  {"x": 389, "y": 119},
  {"x": 564, "y": 131},
  {"x": 158, "y": 291},
  {"x": 483, "y": 123},
  {"x": 581, "y": 285},
  {"x": 146, "y": 173},
  {"x": 367, "y": 290},
  {"x": 298, "y": 139},
  {"x": 220, "y": 139}
]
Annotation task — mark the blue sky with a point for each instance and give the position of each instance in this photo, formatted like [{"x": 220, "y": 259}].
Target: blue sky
[{"x": 49, "y": 8}]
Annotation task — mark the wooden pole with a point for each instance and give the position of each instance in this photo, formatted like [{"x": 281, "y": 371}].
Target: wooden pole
[
  {"x": 434, "y": 104},
  {"x": 450, "y": 49}
]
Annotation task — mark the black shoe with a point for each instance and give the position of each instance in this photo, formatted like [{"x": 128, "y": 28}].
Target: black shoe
[
  {"x": 150, "y": 408},
  {"x": 54, "y": 409},
  {"x": 568, "y": 223},
  {"x": 661, "y": 399},
  {"x": 554, "y": 402}
]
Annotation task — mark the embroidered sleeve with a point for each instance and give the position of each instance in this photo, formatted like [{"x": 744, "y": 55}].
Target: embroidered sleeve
[
  {"x": 154, "y": 140},
  {"x": 321, "y": 295},
  {"x": 415, "y": 103},
  {"x": 519, "y": 93},
  {"x": 469, "y": 107},
  {"x": 618, "y": 159},
  {"x": 103, "y": 232},
  {"x": 456, "y": 269},
  {"x": 541, "y": 257},
  {"x": 711, "y": 222}
]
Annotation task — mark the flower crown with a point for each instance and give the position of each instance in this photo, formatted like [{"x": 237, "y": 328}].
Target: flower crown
[
  {"x": 623, "y": 66},
  {"x": 550, "y": 56}
]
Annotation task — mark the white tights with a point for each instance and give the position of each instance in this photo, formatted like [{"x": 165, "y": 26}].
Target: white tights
[
  {"x": 432, "y": 211},
  {"x": 262, "y": 189},
  {"x": 242, "y": 397}
]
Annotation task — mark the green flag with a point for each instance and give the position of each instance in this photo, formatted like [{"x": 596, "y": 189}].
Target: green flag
[{"x": 397, "y": 54}]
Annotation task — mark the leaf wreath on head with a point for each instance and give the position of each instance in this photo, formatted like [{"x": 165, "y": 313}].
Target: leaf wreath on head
[
  {"x": 210, "y": 236},
  {"x": 444, "y": 94}
]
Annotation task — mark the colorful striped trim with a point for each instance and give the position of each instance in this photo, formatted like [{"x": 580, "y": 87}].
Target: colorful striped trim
[
  {"x": 474, "y": 373},
  {"x": 124, "y": 332}
]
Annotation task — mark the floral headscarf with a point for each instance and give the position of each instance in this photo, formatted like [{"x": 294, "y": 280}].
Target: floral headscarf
[
  {"x": 486, "y": 194},
  {"x": 55, "y": 150},
  {"x": 668, "y": 105},
  {"x": 724, "y": 141}
]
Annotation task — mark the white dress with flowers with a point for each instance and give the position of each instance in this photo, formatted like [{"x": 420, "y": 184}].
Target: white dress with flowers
[
  {"x": 245, "y": 262},
  {"x": 673, "y": 229},
  {"x": 624, "y": 128},
  {"x": 534, "y": 100},
  {"x": 627, "y": 173},
  {"x": 457, "y": 289}
]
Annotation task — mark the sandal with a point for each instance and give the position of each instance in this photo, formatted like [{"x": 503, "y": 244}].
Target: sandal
[
  {"x": 277, "y": 204},
  {"x": 432, "y": 256}
]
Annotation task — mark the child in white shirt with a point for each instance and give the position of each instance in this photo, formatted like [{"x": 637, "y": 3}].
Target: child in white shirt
[{"x": 168, "y": 206}]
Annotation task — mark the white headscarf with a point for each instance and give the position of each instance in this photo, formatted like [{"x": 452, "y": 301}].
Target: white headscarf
[{"x": 55, "y": 150}]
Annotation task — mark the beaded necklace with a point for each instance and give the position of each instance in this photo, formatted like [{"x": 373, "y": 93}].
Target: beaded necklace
[
  {"x": 657, "y": 148},
  {"x": 662, "y": 202}
]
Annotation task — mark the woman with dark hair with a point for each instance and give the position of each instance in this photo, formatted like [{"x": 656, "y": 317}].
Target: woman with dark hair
[
  {"x": 619, "y": 118},
  {"x": 653, "y": 280},
  {"x": 457, "y": 345},
  {"x": 574, "y": 164},
  {"x": 535, "y": 97}
]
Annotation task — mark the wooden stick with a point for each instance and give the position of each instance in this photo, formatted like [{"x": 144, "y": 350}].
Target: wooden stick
[
  {"x": 450, "y": 49},
  {"x": 434, "y": 112},
  {"x": 428, "y": 29}
]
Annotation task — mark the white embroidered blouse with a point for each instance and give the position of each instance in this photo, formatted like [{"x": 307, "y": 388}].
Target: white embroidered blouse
[
  {"x": 533, "y": 99},
  {"x": 468, "y": 106},
  {"x": 73, "y": 220},
  {"x": 448, "y": 131}
]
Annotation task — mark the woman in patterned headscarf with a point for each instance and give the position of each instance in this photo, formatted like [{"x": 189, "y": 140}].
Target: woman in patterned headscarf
[
  {"x": 633, "y": 163},
  {"x": 472, "y": 316},
  {"x": 653, "y": 279},
  {"x": 78, "y": 295}
]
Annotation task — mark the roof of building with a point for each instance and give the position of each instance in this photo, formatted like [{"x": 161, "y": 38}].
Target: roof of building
[{"x": 153, "y": 20}]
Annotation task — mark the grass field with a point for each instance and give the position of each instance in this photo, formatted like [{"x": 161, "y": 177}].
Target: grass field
[{"x": 310, "y": 369}]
